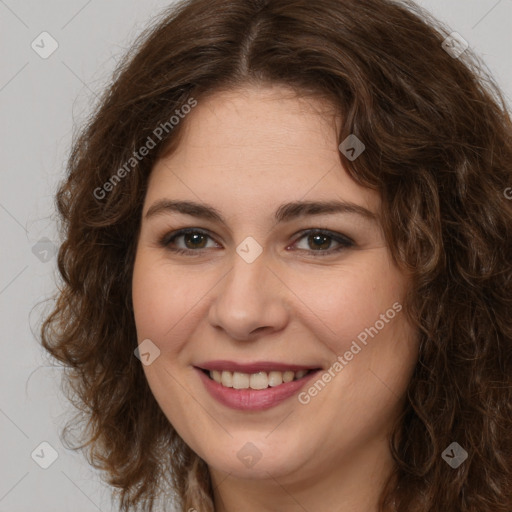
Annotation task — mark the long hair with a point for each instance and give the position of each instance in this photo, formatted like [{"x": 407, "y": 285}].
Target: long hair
[{"x": 438, "y": 143}]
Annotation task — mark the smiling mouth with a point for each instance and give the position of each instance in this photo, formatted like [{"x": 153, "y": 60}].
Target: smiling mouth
[{"x": 258, "y": 380}]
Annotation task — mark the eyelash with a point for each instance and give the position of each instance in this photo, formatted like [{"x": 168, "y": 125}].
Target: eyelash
[{"x": 344, "y": 241}]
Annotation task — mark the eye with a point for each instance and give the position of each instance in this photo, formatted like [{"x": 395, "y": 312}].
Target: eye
[
  {"x": 319, "y": 241},
  {"x": 193, "y": 239}
]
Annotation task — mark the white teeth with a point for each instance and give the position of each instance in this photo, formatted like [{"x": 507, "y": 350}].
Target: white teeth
[
  {"x": 275, "y": 378},
  {"x": 226, "y": 379},
  {"x": 240, "y": 380},
  {"x": 259, "y": 380},
  {"x": 288, "y": 376}
]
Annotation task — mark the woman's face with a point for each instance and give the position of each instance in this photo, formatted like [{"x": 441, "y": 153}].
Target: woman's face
[{"x": 270, "y": 284}]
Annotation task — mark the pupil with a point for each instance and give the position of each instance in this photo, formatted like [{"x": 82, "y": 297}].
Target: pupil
[
  {"x": 195, "y": 237},
  {"x": 319, "y": 238}
]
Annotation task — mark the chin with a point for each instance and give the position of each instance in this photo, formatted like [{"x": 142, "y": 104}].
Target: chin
[{"x": 258, "y": 460}]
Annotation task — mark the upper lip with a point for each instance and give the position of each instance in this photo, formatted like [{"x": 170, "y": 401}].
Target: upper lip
[{"x": 257, "y": 366}]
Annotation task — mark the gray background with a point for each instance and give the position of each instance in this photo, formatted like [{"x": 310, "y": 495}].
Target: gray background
[{"x": 41, "y": 101}]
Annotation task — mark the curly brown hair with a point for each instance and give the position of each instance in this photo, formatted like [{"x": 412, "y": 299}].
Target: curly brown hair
[{"x": 439, "y": 152}]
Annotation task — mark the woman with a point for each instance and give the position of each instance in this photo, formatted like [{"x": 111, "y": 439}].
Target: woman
[{"x": 287, "y": 265}]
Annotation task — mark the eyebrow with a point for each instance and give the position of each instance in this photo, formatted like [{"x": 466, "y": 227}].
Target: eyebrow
[{"x": 285, "y": 212}]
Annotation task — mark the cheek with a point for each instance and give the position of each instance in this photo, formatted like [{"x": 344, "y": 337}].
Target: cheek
[
  {"x": 341, "y": 303},
  {"x": 167, "y": 302}
]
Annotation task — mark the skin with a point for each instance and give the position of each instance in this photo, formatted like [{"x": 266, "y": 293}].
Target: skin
[{"x": 245, "y": 152}]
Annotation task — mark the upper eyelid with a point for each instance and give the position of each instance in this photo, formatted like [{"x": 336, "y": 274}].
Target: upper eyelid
[
  {"x": 329, "y": 232},
  {"x": 172, "y": 235}
]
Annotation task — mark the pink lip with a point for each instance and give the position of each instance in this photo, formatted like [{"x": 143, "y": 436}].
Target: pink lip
[
  {"x": 253, "y": 399},
  {"x": 260, "y": 366}
]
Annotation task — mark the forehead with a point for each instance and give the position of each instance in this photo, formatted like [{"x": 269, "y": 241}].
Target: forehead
[
  {"x": 263, "y": 117},
  {"x": 264, "y": 142}
]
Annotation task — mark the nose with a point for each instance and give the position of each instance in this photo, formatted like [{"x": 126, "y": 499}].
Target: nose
[{"x": 249, "y": 301}]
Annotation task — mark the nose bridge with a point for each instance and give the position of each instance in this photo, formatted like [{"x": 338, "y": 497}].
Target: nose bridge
[{"x": 248, "y": 298}]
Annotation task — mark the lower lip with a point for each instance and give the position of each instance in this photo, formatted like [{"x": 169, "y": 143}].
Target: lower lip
[{"x": 253, "y": 399}]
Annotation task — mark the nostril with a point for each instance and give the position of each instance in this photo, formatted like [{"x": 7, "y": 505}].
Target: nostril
[{"x": 258, "y": 329}]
